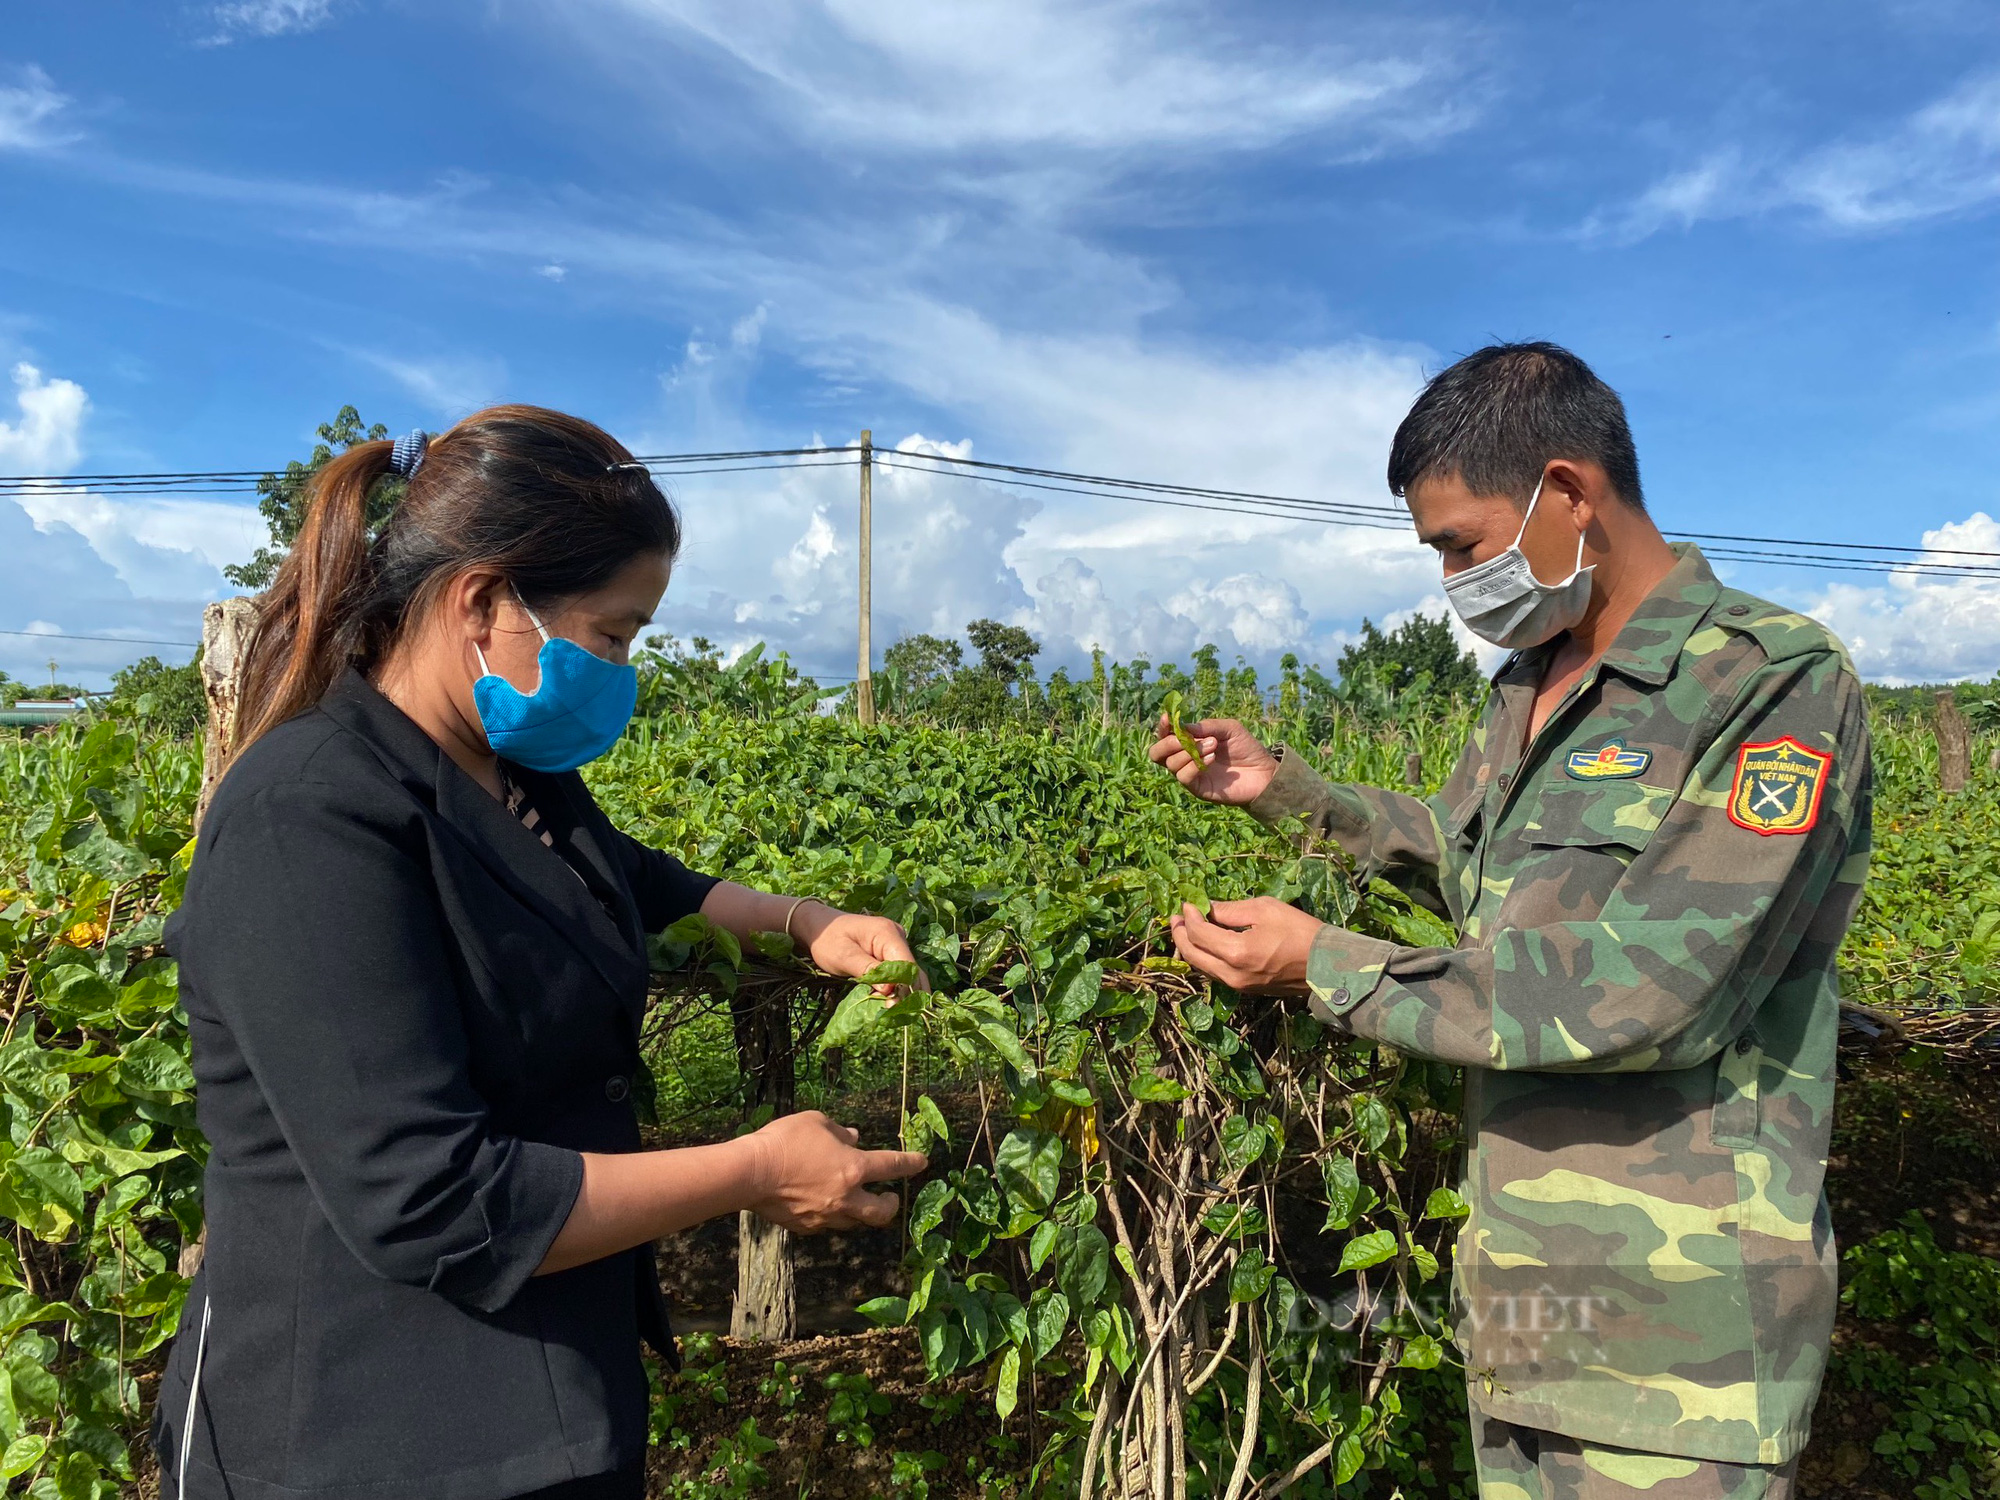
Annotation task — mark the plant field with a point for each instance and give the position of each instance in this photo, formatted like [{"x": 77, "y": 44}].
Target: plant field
[{"x": 1133, "y": 1175}]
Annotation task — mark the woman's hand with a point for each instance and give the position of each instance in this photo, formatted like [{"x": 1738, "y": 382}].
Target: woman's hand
[
  {"x": 811, "y": 1177},
  {"x": 1237, "y": 768},
  {"x": 850, "y": 943},
  {"x": 1258, "y": 946}
]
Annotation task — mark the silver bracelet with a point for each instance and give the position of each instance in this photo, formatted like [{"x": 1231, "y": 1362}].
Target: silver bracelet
[{"x": 801, "y": 901}]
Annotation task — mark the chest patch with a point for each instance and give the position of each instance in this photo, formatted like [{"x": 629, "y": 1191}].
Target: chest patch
[
  {"x": 1610, "y": 761},
  {"x": 1778, "y": 786}
]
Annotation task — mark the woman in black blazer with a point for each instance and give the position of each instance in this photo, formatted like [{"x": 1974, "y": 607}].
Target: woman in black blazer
[{"x": 414, "y": 970}]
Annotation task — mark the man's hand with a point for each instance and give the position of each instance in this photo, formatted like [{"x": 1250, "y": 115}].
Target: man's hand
[
  {"x": 1259, "y": 946},
  {"x": 1238, "y": 766}
]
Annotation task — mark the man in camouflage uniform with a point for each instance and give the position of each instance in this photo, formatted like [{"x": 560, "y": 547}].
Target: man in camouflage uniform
[{"x": 1651, "y": 848}]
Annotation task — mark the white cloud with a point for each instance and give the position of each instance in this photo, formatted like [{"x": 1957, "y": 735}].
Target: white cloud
[
  {"x": 47, "y": 435},
  {"x": 86, "y": 564},
  {"x": 553, "y": 271},
  {"x": 1918, "y": 628},
  {"x": 1707, "y": 190},
  {"x": 1116, "y": 75},
  {"x": 269, "y": 17},
  {"x": 1943, "y": 158},
  {"x": 1259, "y": 614},
  {"x": 28, "y": 110},
  {"x": 167, "y": 548},
  {"x": 450, "y": 386}
]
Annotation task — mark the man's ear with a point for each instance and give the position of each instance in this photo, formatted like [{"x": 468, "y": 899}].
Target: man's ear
[{"x": 1578, "y": 488}]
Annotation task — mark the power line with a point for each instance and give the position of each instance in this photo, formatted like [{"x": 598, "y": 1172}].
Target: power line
[
  {"x": 116, "y": 640},
  {"x": 1785, "y": 541},
  {"x": 1874, "y": 557},
  {"x": 1085, "y": 485},
  {"x": 1326, "y": 512},
  {"x": 1851, "y": 565},
  {"x": 1336, "y": 513},
  {"x": 678, "y": 458},
  {"x": 1225, "y": 509}
]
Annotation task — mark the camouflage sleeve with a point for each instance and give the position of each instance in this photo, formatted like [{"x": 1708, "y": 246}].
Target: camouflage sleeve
[
  {"x": 1722, "y": 900},
  {"x": 1392, "y": 834}
]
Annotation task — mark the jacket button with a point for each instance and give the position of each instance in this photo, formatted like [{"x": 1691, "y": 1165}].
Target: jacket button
[
  {"x": 1739, "y": 609},
  {"x": 1744, "y": 1043},
  {"x": 616, "y": 1087},
  {"x": 1339, "y": 996}
]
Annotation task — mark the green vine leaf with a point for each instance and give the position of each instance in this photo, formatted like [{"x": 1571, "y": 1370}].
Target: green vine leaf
[
  {"x": 1251, "y": 1277},
  {"x": 1368, "y": 1250},
  {"x": 1443, "y": 1203}
]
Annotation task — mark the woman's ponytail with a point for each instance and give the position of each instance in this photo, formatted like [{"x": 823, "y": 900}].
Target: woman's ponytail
[{"x": 305, "y": 634}]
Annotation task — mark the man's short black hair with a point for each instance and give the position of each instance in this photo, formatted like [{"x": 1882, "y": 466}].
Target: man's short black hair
[{"x": 1497, "y": 417}]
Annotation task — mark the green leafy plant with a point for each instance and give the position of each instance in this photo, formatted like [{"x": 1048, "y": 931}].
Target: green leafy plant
[
  {"x": 1939, "y": 1364},
  {"x": 99, "y": 1169},
  {"x": 783, "y": 1386},
  {"x": 855, "y": 1407},
  {"x": 1148, "y": 1122},
  {"x": 734, "y": 1470},
  {"x": 1031, "y": 873}
]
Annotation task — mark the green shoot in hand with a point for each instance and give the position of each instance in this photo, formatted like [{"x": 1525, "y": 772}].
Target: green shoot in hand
[{"x": 1173, "y": 707}]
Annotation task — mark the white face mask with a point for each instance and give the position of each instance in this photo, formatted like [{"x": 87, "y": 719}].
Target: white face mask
[{"x": 1502, "y": 601}]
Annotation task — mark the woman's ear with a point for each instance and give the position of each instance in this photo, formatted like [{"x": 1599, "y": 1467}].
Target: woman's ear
[{"x": 471, "y": 605}]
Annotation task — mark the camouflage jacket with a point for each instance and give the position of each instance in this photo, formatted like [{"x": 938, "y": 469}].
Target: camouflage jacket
[{"x": 1649, "y": 897}]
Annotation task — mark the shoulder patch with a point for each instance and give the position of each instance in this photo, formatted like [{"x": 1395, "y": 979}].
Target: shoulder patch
[
  {"x": 1610, "y": 761},
  {"x": 1778, "y": 786},
  {"x": 1781, "y": 632}
]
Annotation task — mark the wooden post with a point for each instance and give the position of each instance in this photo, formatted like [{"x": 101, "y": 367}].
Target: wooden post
[
  {"x": 1413, "y": 769},
  {"x": 864, "y": 683},
  {"x": 226, "y": 627},
  {"x": 766, "y": 1307},
  {"x": 1954, "y": 742}
]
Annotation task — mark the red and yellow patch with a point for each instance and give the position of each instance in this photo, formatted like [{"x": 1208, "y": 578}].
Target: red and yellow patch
[{"x": 1778, "y": 786}]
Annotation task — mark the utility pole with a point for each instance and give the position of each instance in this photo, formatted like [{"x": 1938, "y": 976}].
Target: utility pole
[{"x": 864, "y": 682}]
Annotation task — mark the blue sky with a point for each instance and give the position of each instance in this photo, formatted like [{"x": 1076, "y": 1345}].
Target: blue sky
[{"x": 1212, "y": 244}]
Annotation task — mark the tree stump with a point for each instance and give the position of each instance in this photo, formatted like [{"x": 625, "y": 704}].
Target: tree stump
[
  {"x": 1413, "y": 769},
  {"x": 766, "y": 1308},
  {"x": 1954, "y": 742},
  {"x": 226, "y": 628}
]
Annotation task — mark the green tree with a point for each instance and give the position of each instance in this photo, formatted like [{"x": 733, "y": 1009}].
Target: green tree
[
  {"x": 921, "y": 662},
  {"x": 1100, "y": 681},
  {"x": 1005, "y": 651},
  {"x": 1290, "y": 694},
  {"x": 1206, "y": 697},
  {"x": 161, "y": 697},
  {"x": 1418, "y": 655},
  {"x": 282, "y": 497}
]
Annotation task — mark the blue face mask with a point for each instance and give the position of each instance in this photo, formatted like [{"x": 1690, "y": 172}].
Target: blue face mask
[{"x": 581, "y": 706}]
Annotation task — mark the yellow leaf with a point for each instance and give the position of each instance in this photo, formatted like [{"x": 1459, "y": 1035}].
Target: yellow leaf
[{"x": 84, "y": 935}]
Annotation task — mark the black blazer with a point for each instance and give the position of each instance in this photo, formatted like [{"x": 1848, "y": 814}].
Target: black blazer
[{"x": 408, "y": 1016}]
